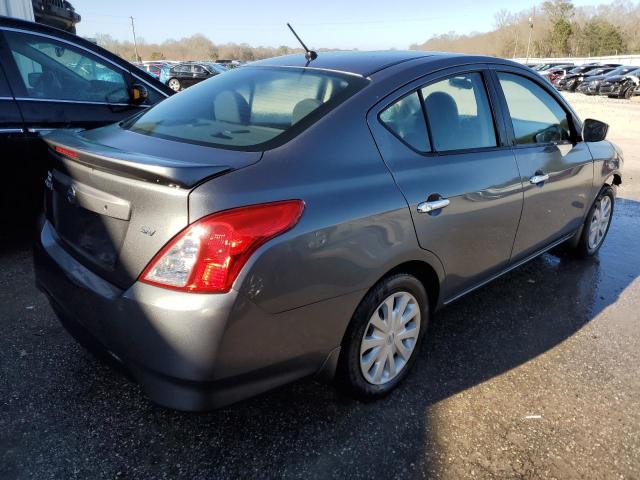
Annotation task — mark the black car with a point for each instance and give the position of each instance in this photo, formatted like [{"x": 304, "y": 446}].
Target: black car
[
  {"x": 52, "y": 79},
  {"x": 591, "y": 84},
  {"x": 571, "y": 82},
  {"x": 576, "y": 76},
  {"x": 621, "y": 86},
  {"x": 56, "y": 13},
  {"x": 185, "y": 74}
]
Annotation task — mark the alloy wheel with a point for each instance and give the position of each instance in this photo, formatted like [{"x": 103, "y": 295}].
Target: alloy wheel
[{"x": 599, "y": 222}]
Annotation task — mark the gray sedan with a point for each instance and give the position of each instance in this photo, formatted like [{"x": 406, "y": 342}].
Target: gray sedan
[{"x": 295, "y": 218}]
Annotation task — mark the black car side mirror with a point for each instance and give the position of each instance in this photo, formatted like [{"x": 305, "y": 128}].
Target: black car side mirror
[
  {"x": 594, "y": 130},
  {"x": 138, "y": 94},
  {"x": 34, "y": 78}
]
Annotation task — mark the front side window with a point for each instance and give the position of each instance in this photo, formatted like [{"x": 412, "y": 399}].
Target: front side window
[
  {"x": 247, "y": 108},
  {"x": 55, "y": 70},
  {"x": 458, "y": 113},
  {"x": 405, "y": 120},
  {"x": 536, "y": 116}
]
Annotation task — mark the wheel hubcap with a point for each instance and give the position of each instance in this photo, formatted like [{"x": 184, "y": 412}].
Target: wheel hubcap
[
  {"x": 599, "y": 222},
  {"x": 390, "y": 338},
  {"x": 174, "y": 85}
]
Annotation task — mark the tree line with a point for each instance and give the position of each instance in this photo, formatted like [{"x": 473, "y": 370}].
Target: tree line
[
  {"x": 195, "y": 47},
  {"x": 557, "y": 29}
]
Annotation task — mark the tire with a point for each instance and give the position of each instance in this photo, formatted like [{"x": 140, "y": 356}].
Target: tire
[
  {"x": 174, "y": 84},
  {"x": 586, "y": 246},
  {"x": 350, "y": 374}
]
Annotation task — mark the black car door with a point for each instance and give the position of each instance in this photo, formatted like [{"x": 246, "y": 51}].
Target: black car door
[
  {"x": 13, "y": 196},
  {"x": 200, "y": 73}
]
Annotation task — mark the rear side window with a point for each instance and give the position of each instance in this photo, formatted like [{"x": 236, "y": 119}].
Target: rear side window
[
  {"x": 248, "y": 108},
  {"x": 536, "y": 116},
  {"x": 459, "y": 114},
  {"x": 405, "y": 120}
]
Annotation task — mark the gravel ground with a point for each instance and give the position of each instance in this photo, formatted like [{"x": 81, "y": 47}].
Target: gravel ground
[{"x": 535, "y": 375}]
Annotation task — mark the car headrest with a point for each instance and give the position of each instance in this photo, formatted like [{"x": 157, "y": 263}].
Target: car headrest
[
  {"x": 231, "y": 107},
  {"x": 304, "y": 108},
  {"x": 443, "y": 106}
]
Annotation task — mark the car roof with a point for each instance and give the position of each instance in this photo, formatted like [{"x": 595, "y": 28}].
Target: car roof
[{"x": 360, "y": 63}]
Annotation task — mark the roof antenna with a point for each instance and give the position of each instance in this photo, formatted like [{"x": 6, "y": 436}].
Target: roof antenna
[{"x": 310, "y": 55}]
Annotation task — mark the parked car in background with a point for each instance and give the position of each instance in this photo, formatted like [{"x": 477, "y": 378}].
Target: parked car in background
[
  {"x": 571, "y": 81},
  {"x": 621, "y": 86},
  {"x": 51, "y": 79},
  {"x": 564, "y": 66},
  {"x": 293, "y": 218},
  {"x": 152, "y": 68},
  {"x": 554, "y": 74},
  {"x": 591, "y": 84},
  {"x": 186, "y": 74}
]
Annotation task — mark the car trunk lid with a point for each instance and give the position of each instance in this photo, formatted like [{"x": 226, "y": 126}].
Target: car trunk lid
[{"x": 115, "y": 200}]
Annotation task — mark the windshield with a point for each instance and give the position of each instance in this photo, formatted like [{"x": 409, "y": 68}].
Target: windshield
[
  {"x": 597, "y": 71},
  {"x": 581, "y": 69},
  {"x": 619, "y": 71},
  {"x": 249, "y": 108}
]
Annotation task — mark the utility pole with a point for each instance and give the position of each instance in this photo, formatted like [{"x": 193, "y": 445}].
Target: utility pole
[
  {"x": 515, "y": 46},
  {"x": 530, "y": 32},
  {"x": 135, "y": 43}
]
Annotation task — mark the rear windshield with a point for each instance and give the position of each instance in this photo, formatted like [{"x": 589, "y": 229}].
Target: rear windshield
[{"x": 249, "y": 108}]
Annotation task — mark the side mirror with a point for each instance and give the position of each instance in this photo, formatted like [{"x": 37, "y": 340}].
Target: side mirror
[
  {"x": 594, "y": 130},
  {"x": 550, "y": 134},
  {"x": 138, "y": 94},
  {"x": 34, "y": 78}
]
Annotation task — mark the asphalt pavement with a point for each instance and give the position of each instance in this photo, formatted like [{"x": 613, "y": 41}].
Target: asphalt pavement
[{"x": 534, "y": 375}]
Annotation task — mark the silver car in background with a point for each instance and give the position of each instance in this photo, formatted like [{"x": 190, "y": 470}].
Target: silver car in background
[{"x": 294, "y": 218}]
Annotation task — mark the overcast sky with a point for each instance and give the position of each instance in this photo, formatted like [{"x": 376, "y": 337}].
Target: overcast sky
[{"x": 359, "y": 24}]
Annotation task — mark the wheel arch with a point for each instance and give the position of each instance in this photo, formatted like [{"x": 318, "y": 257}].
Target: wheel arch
[{"x": 424, "y": 272}]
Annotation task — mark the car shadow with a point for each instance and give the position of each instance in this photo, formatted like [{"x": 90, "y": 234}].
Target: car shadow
[{"x": 308, "y": 428}]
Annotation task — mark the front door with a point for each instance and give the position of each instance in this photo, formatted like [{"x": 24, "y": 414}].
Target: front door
[
  {"x": 556, "y": 169},
  {"x": 460, "y": 179}
]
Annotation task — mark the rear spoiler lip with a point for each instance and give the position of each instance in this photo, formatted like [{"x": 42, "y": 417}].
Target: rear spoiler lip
[{"x": 139, "y": 166}]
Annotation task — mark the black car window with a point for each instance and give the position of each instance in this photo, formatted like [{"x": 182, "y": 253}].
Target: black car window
[
  {"x": 249, "y": 108},
  {"x": 536, "y": 116},
  {"x": 405, "y": 120},
  {"x": 198, "y": 69},
  {"x": 458, "y": 113},
  {"x": 54, "y": 70}
]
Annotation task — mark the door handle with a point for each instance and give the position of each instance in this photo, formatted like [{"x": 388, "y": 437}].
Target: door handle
[
  {"x": 433, "y": 205},
  {"x": 536, "y": 179}
]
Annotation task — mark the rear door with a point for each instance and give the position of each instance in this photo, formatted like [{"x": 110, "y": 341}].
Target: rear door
[
  {"x": 14, "y": 194},
  {"x": 556, "y": 169},
  {"x": 457, "y": 173}
]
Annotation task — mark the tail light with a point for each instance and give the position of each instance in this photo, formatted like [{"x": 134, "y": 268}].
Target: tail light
[{"x": 207, "y": 256}]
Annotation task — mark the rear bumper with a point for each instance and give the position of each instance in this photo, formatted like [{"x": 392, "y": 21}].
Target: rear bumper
[{"x": 187, "y": 351}]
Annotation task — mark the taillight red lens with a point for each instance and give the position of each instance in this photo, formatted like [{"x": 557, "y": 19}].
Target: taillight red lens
[{"x": 207, "y": 256}]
